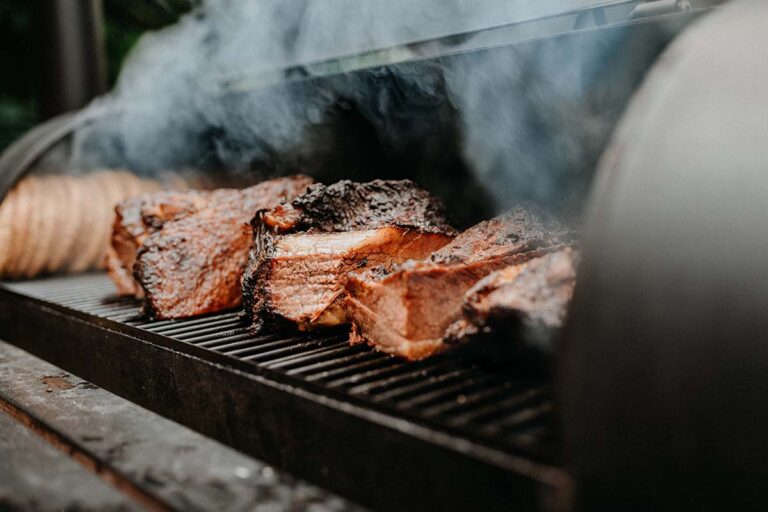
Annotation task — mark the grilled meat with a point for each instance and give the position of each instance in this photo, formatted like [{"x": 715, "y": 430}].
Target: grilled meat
[
  {"x": 347, "y": 206},
  {"x": 519, "y": 307},
  {"x": 406, "y": 312},
  {"x": 140, "y": 216},
  {"x": 192, "y": 264},
  {"x": 306, "y": 249}
]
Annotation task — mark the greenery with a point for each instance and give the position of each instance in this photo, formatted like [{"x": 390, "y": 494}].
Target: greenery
[
  {"x": 20, "y": 51},
  {"x": 17, "y": 53}
]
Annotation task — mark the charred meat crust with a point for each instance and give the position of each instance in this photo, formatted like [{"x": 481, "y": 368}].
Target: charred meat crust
[
  {"x": 305, "y": 273},
  {"x": 519, "y": 305},
  {"x": 139, "y": 217},
  {"x": 135, "y": 219},
  {"x": 194, "y": 265},
  {"x": 344, "y": 206},
  {"x": 428, "y": 300},
  {"x": 347, "y": 206},
  {"x": 518, "y": 231},
  {"x": 147, "y": 213},
  {"x": 406, "y": 312},
  {"x": 256, "y": 299}
]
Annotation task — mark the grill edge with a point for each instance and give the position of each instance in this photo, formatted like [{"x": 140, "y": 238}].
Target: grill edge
[{"x": 440, "y": 432}]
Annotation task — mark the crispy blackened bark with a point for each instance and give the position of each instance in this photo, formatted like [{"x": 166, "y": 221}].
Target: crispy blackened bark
[
  {"x": 305, "y": 250},
  {"x": 193, "y": 265},
  {"x": 138, "y": 217},
  {"x": 520, "y": 307},
  {"x": 406, "y": 312}
]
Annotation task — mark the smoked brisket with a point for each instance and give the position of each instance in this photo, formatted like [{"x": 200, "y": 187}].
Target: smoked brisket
[
  {"x": 519, "y": 307},
  {"x": 192, "y": 248},
  {"x": 306, "y": 249},
  {"x": 138, "y": 217},
  {"x": 407, "y": 311}
]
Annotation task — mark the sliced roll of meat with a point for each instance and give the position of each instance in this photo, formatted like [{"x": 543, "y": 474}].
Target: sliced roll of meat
[{"x": 60, "y": 223}]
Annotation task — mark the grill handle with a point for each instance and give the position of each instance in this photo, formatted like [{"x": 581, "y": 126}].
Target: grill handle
[{"x": 19, "y": 157}]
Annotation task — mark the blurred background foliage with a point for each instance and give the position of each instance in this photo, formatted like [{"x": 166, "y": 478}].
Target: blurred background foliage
[{"x": 20, "y": 51}]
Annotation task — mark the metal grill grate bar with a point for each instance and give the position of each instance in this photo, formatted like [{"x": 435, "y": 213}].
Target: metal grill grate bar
[
  {"x": 405, "y": 374},
  {"x": 214, "y": 333},
  {"x": 281, "y": 349},
  {"x": 124, "y": 317},
  {"x": 324, "y": 367},
  {"x": 215, "y": 324},
  {"x": 420, "y": 386},
  {"x": 333, "y": 377},
  {"x": 159, "y": 326},
  {"x": 471, "y": 400},
  {"x": 262, "y": 343},
  {"x": 500, "y": 408},
  {"x": 337, "y": 347},
  {"x": 336, "y": 356},
  {"x": 520, "y": 419},
  {"x": 232, "y": 342},
  {"x": 259, "y": 347},
  {"x": 448, "y": 394},
  {"x": 445, "y": 389},
  {"x": 354, "y": 382}
]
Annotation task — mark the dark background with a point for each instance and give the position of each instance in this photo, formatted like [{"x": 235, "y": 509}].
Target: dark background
[{"x": 21, "y": 50}]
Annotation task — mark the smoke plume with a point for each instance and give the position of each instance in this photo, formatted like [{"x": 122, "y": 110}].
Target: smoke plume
[{"x": 483, "y": 129}]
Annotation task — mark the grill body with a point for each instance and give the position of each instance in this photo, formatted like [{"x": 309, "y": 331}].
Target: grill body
[
  {"x": 664, "y": 368},
  {"x": 443, "y": 432}
]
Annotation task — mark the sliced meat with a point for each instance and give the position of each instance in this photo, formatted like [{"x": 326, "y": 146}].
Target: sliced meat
[
  {"x": 305, "y": 250},
  {"x": 193, "y": 263},
  {"x": 138, "y": 217},
  {"x": 302, "y": 281},
  {"x": 520, "y": 306},
  {"x": 406, "y": 312}
]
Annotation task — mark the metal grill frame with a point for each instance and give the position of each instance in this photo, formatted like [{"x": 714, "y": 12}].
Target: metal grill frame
[{"x": 356, "y": 444}]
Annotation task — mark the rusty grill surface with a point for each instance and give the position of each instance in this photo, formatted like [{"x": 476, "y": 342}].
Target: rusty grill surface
[{"x": 489, "y": 409}]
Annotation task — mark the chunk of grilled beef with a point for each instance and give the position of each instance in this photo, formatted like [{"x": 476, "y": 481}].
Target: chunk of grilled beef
[
  {"x": 305, "y": 250},
  {"x": 406, "y": 312},
  {"x": 138, "y": 217},
  {"x": 193, "y": 265},
  {"x": 518, "y": 308}
]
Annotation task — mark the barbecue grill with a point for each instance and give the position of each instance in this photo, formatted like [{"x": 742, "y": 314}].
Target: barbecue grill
[
  {"x": 312, "y": 404},
  {"x": 448, "y": 432}
]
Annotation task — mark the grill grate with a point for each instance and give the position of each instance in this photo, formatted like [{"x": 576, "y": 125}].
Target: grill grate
[{"x": 502, "y": 410}]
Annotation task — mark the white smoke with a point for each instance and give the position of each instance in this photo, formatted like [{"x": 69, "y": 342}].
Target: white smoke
[{"x": 516, "y": 120}]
